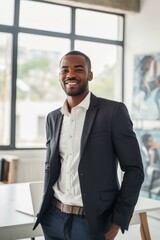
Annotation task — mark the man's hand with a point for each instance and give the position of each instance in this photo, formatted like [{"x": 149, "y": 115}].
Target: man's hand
[{"x": 112, "y": 233}]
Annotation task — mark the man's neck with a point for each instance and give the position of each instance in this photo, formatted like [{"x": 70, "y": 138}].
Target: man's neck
[{"x": 73, "y": 101}]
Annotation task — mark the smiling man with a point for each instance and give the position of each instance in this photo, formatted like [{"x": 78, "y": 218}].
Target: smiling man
[
  {"x": 74, "y": 76},
  {"x": 86, "y": 139}
]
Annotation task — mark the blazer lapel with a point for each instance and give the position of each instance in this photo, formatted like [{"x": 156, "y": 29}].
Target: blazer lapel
[
  {"x": 55, "y": 147},
  {"x": 57, "y": 121},
  {"x": 90, "y": 115},
  {"x": 58, "y": 124}
]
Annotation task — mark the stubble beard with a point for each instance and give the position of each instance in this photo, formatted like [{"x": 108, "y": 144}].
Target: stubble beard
[{"x": 77, "y": 92}]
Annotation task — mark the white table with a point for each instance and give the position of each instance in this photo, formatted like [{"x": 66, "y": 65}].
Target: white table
[
  {"x": 14, "y": 224},
  {"x": 17, "y": 225},
  {"x": 144, "y": 206}
]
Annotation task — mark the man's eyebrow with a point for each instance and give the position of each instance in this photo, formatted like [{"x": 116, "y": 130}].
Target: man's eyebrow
[
  {"x": 76, "y": 66},
  {"x": 64, "y": 66}
]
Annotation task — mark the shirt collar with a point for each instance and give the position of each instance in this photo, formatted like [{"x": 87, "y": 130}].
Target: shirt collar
[{"x": 84, "y": 104}]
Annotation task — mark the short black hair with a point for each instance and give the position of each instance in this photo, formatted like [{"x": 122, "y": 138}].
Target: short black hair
[{"x": 75, "y": 52}]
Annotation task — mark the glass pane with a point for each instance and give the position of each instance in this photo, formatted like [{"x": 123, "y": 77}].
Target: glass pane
[
  {"x": 106, "y": 66},
  {"x": 6, "y": 12},
  {"x": 107, "y": 26},
  {"x": 45, "y": 16},
  {"x": 38, "y": 87},
  {"x": 5, "y": 84}
]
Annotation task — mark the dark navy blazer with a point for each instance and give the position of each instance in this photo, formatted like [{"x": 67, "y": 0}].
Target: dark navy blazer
[{"x": 107, "y": 138}]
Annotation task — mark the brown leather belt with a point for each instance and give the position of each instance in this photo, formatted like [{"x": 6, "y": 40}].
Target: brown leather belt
[{"x": 68, "y": 208}]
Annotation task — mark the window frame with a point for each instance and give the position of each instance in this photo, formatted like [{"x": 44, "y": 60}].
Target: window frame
[{"x": 15, "y": 30}]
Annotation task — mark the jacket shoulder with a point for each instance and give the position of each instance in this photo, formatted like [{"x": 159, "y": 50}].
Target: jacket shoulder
[
  {"x": 103, "y": 100},
  {"x": 110, "y": 104},
  {"x": 54, "y": 113},
  {"x": 107, "y": 101}
]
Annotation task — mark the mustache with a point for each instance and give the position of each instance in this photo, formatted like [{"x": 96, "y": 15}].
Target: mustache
[{"x": 70, "y": 79}]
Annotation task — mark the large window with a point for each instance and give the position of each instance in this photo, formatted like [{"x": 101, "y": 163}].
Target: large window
[
  {"x": 5, "y": 83},
  {"x": 34, "y": 35}
]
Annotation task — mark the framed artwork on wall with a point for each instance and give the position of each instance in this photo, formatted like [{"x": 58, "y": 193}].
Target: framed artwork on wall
[
  {"x": 149, "y": 141},
  {"x": 146, "y": 87}
]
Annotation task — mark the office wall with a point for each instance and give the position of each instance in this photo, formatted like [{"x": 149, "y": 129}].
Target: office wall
[
  {"x": 30, "y": 164},
  {"x": 142, "y": 36}
]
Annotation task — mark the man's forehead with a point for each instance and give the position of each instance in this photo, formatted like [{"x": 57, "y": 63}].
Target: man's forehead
[{"x": 73, "y": 60}]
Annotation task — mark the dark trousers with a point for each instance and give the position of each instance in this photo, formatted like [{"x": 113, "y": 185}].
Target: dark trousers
[{"x": 57, "y": 225}]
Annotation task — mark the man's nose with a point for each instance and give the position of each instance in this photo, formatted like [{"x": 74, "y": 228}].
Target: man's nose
[{"x": 71, "y": 74}]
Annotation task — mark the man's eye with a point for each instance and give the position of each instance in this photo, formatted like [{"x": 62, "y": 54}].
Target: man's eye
[
  {"x": 79, "y": 70},
  {"x": 64, "y": 71}
]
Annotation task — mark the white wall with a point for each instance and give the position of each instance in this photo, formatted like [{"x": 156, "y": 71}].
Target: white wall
[
  {"x": 30, "y": 165},
  {"x": 142, "y": 36}
]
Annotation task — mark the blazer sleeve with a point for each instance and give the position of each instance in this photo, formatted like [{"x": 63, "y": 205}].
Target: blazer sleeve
[{"x": 128, "y": 153}]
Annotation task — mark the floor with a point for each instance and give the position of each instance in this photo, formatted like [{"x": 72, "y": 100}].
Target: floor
[{"x": 134, "y": 231}]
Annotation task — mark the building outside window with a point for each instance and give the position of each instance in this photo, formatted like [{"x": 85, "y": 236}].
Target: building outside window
[{"x": 34, "y": 35}]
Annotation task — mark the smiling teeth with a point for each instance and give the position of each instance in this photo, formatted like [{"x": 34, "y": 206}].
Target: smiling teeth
[{"x": 72, "y": 83}]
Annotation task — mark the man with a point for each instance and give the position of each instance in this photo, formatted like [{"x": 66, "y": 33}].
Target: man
[{"x": 85, "y": 140}]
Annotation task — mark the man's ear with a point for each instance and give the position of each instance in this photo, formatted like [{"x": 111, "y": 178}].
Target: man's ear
[{"x": 90, "y": 77}]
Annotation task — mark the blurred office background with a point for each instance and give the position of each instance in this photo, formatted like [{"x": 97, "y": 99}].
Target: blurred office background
[{"x": 122, "y": 40}]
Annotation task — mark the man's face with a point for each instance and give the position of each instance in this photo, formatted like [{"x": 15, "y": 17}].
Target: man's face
[{"x": 74, "y": 75}]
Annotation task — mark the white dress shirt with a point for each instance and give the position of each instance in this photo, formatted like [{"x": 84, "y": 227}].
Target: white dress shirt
[{"x": 67, "y": 188}]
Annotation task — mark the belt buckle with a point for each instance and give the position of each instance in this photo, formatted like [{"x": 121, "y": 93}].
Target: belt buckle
[{"x": 66, "y": 211}]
